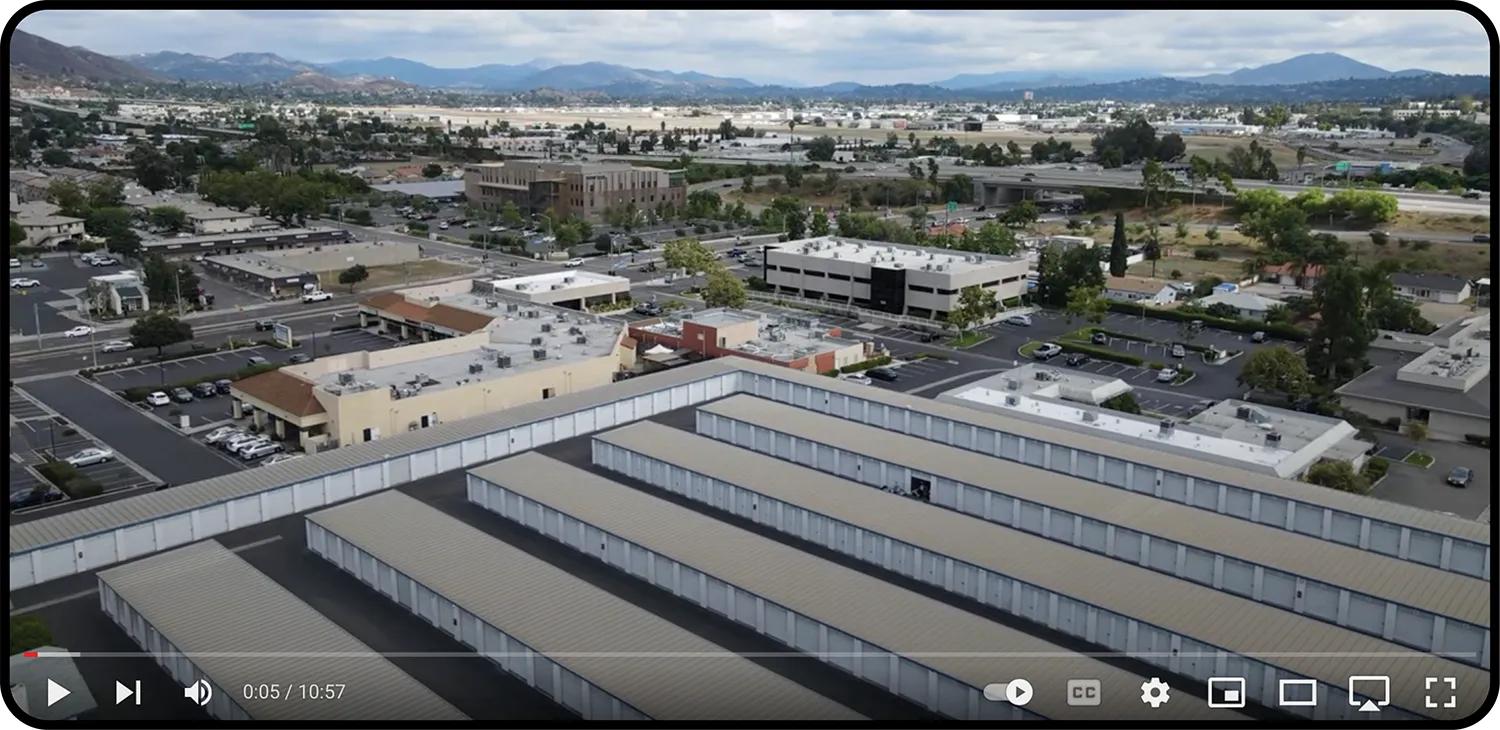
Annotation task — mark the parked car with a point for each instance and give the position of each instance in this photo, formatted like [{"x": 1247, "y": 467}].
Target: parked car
[
  {"x": 117, "y": 346},
  {"x": 858, "y": 379},
  {"x": 280, "y": 458},
  {"x": 316, "y": 295},
  {"x": 24, "y": 283},
  {"x": 1166, "y": 375},
  {"x": 650, "y": 309},
  {"x": 158, "y": 398},
  {"x": 223, "y": 386},
  {"x": 89, "y": 457},
  {"x": 1023, "y": 320},
  {"x": 1178, "y": 350},
  {"x": 1077, "y": 359},
  {"x": 648, "y": 268},
  {"x": 82, "y": 330},
  {"x": 1046, "y": 351},
  {"x": 1099, "y": 338},
  {"x": 573, "y": 263},
  {"x": 884, "y": 374},
  {"x": 15, "y": 263},
  {"x": 221, "y": 433},
  {"x": 1481, "y": 238},
  {"x": 298, "y": 359},
  {"x": 261, "y": 450},
  {"x": 1471, "y": 194},
  {"x": 265, "y": 325},
  {"x": 929, "y": 337},
  {"x": 34, "y": 497},
  {"x": 257, "y": 360},
  {"x": 1258, "y": 337},
  {"x": 443, "y": 226},
  {"x": 182, "y": 395},
  {"x": 234, "y": 443},
  {"x": 1460, "y": 477},
  {"x": 205, "y": 390}
]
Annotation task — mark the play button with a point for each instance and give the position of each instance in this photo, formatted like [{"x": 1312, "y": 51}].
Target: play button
[
  {"x": 1018, "y": 692},
  {"x": 56, "y": 693}
]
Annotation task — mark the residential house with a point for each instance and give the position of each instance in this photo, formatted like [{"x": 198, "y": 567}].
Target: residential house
[
  {"x": 1287, "y": 275},
  {"x": 1139, "y": 289},
  {"x": 1245, "y": 304},
  {"x": 117, "y": 294},
  {"x": 1440, "y": 288}
]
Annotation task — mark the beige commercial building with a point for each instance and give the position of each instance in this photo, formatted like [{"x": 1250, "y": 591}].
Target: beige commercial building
[
  {"x": 522, "y": 357},
  {"x": 904, "y": 280},
  {"x": 572, "y": 288},
  {"x": 220, "y": 220},
  {"x": 1446, "y": 386},
  {"x": 581, "y": 189}
]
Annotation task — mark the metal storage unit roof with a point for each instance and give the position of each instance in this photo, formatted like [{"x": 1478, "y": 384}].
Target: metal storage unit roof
[
  {"x": 211, "y": 605},
  {"x": 584, "y": 627},
  {"x": 1440, "y": 591},
  {"x": 1296, "y": 643},
  {"x": 153, "y": 505},
  {"x": 1352, "y": 503},
  {"x": 951, "y": 640}
]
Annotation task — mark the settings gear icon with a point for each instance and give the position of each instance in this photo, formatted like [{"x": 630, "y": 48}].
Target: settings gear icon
[{"x": 1154, "y": 693}]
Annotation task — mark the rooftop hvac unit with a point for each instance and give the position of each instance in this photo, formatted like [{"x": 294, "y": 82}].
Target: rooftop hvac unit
[
  {"x": 569, "y": 279},
  {"x": 531, "y": 314},
  {"x": 1044, "y": 375},
  {"x": 575, "y": 331},
  {"x": 491, "y": 304},
  {"x": 556, "y": 287},
  {"x": 932, "y": 257},
  {"x": 1090, "y": 417},
  {"x": 536, "y": 340},
  {"x": 346, "y": 378},
  {"x": 476, "y": 368},
  {"x": 502, "y": 361},
  {"x": 582, "y": 340},
  {"x": 1012, "y": 384},
  {"x": 835, "y": 254},
  {"x": 1273, "y": 439},
  {"x": 546, "y": 326},
  {"x": 512, "y": 307},
  {"x": 927, "y": 267},
  {"x": 522, "y": 286},
  {"x": 1168, "y": 426},
  {"x": 539, "y": 354},
  {"x": 1012, "y": 400},
  {"x": 562, "y": 316}
]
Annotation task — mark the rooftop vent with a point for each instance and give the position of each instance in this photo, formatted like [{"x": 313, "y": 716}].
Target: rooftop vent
[
  {"x": 569, "y": 279},
  {"x": 582, "y": 340},
  {"x": 562, "y": 316},
  {"x": 1045, "y": 375},
  {"x": 835, "y": 254},
  {"x": 575, "y": 330},
  {"x": 1167, "y": 426},
  {"x": 556, "y": 287},
  {"x": 546, "y": 326},
  {"x": 539, "y": 354},
  {"x": 1090, "y": 416},
  {"x": 346, "y": 378},
  {"x": 502, "y": 361},
  {"x": 512, "y": 307},
  {"x": 1012, "y": 400},
  {"x": 1012, "y": 384},
  {"x": 491, "y": 304},
  {"x": 476, "y": 368},
  {"x": 531, "y": 314},
  {"x": 536, "y": 340}
]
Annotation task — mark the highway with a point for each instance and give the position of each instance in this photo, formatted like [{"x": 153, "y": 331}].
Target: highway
[{"x": 126, "y": 121}]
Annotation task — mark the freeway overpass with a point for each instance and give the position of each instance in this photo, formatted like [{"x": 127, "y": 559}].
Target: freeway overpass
[{"x": 124, "y": 121}]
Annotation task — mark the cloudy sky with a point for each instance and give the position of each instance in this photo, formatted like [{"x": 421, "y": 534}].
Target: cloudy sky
[{"x": 810, "y": 47}]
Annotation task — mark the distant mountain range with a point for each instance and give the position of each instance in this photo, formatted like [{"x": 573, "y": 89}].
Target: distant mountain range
[{"x": 1330, "y": 75}]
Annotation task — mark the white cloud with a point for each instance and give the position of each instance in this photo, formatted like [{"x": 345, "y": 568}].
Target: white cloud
[{"x": 813, "y": 46}]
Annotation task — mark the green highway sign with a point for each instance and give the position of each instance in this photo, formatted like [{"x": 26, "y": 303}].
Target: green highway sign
[
  {"x": 952, "y": 206},
  {"x": 1341, "y": 167},
  {"x": 247, "y": 125}
]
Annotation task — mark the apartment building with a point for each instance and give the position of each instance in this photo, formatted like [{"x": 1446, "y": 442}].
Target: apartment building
[
  {"x": 579, "y": 189},
  {"x": 891, "y": 278}
]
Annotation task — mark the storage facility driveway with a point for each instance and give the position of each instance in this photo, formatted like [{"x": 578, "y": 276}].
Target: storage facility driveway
[{"x": 125, "y": 430}]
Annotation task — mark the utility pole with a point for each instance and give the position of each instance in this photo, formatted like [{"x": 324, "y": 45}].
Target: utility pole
[
  {"x": 37, "y": 312},
  {"x": 177, "y": 285}
]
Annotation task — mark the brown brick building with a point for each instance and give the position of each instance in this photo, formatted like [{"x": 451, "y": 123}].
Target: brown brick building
[{"x": 579, "y": 189}]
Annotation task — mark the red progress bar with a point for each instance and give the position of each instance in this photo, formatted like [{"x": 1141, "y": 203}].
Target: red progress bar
[{"x": 30, "y": 654}]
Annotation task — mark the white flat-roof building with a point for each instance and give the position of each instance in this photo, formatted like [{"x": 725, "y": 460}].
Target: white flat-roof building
[
  {"x": 1258, "y": 438},
  {"x": 573, "y": 288},
  {"x": 891, "y": 278}
]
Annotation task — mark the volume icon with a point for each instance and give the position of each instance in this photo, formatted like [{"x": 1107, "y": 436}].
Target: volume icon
[{"x": 200, "y": 692}]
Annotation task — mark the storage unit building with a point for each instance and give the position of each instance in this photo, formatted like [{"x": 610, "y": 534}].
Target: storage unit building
[
  {"x": 1171, "y": 622},
  {"x": 1407, "y": 603},
  {"x": 205, "y": 614},
  {"x": 924, "y": 650},
  {"x": 521, "y": 612}
]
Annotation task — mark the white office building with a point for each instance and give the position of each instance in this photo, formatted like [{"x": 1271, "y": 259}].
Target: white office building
[{"x": 904, "y": 280}]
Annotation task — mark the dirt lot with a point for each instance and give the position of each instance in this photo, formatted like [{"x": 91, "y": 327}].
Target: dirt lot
[
  {"x": 414, "y": 272},
  {"x": 1191, "y": 269}
]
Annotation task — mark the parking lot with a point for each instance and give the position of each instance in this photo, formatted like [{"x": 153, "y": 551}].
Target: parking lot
[
  {"x": 60, "y": 279},
  {"x": 1427, "y": 488},
  {"x": 40, "y": 432}
]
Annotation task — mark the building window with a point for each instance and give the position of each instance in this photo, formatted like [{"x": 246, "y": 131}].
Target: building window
[
  {"x": 861, "y": 280},
  {"x": 922, "y": 289},
  {"x": 947, "y": 292},
  {"x": 549, "y": 393},
  {"x": 839, "y": 277},
  {"x": 818, "y": 274},
  {"x": 790, "y": 269}
]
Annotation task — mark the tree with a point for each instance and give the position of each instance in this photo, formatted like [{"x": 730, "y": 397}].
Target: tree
[
  {"x": 1059, "y": 271},
  {"x": 1276, "y": 369},
  {"x": 105, "y": 192},
  {"x": 996, "y": 240},
  {"x": 1416, "y": 431},
  {"x": 17, "y": 234},
  {"x": 510, "y": 215},
  {"x": 1086, "y": 303},
  {"x": 56, "y": 157},
  {"x": 353, "y": 275},
  {"x": 1119, "y": 253},
  {"x": 819, "y": 225},
  {"x": 975, "y": 305},
  {"x": 1337, "y": 346},
  {"x": 1338, "y": 475},
  {"x": 432, "y": 170},
  {"x": 159, "y": 330},
  {"x": 1212, "y": 235},
  {"x": 722, "y": 288},
  {"x": 1021, "y": 214},
  {"x": 169, "y": 218},
  {"x": 1124, "y": 403},
  {"x": 821, "y": 149},
  {"x": 68, "y": 196},
  {"x": 688, "y": 254},
  {"x": 28, "y": 632}
]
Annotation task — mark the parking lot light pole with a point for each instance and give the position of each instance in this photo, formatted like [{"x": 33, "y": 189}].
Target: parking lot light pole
[{"x": 36, "y": 310}]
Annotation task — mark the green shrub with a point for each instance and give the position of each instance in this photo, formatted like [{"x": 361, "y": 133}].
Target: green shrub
[
  {"x": 28, "y": 632},
  {"x": 1205, "y": 254},
  {"x": 834, "y": 373},
  {"x": 1376, "y": 468},
  {"x": 873, "y": 362},
  {"x": 1156, "y": 366},
  {"x": 83, "y": 488},
  {"x": 1100, "y": 353},
  {"x": 680, "y": 232},
  {"x": 1125, "y": 335},
  {"x": 1282, "y": 331},
  {"x": 58, "y": 472}
]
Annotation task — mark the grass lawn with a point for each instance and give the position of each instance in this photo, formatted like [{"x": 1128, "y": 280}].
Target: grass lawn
[
  {"x": 968, "y": 339},
  {"x": 383, "y": 276},
  {"x": 1417, "y": 458},
  {"x": 1029, "y": 348},
  {"x": 1191, "y": 269}
]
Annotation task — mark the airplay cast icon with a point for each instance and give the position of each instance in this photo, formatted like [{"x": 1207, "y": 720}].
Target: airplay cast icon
[{"x": 200, "y": 692}]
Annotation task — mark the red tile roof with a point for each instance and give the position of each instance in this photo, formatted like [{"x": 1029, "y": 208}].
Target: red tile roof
[{"x": 283, "y": 391}]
